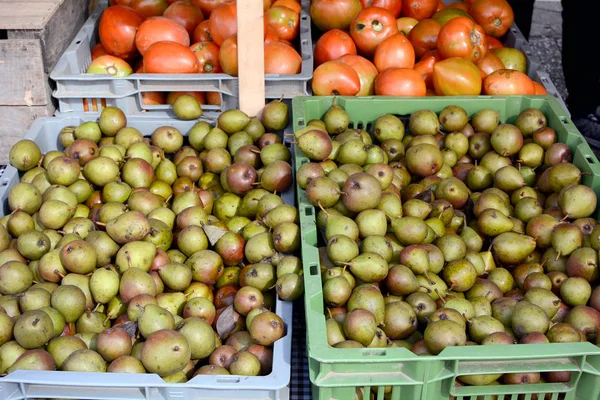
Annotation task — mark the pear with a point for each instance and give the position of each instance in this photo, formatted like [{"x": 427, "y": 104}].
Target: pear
[
  {"x": 128, "y": 227},
  {"x": 37, "y": 360},
  {"x": 104, "y": 285}
]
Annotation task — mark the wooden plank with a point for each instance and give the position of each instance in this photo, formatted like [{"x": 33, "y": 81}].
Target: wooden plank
[
  {"x": 250, "y": 26},
  {"x": 22, "y": 76},
  {"x": 28, "y": 14},
  {"x": 58, "y": 31}
]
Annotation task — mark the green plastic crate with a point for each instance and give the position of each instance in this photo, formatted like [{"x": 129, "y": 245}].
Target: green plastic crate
[{"x": 337, "y": 373}]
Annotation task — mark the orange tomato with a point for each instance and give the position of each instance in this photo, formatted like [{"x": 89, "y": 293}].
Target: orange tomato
[
  {"x": 507, "y": 82},
  {"x": 495, "y": 16},
  {"x": 228, "y": 56},
  {"x": 394, "y": 52},
  {"x": 489, "y": 64},
  {"x": 462, "y": 37},
  {"x": 367, "y": 72},
  {"x": 456, "y": 77},
  {"x": 539, "y": 89},
  {"x": 424, "y": 36},
  {"x": 335, "y": 78},
  {"x": 98, "y": 51},
  {"x": 292, "y": 4},
  {"x": 207, "y": 54},
  {"x": 160, "y": 29},
  {"x": 425, "y": 68},
  {"x": 493, "y": 43},
  {"x": 281, "y": 58},
  {"x": 400, "y": 82},
  {"x": 419, "y": 9},
  {"x": 153, "y": 98},
  {"x": 202, "y": 32},
  {"x": 405, "y": 24},
  {"x": 223, "y": 22},
  {"x": 284, "y": 20},
  {"x": 332, "y": 45},
  {"x": 460, "y": 5},
  {"x": 170, "y": 58}
]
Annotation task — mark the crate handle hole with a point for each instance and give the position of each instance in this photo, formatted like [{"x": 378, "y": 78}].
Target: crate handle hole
[
  {"x": 304, "y": 17},
  {"x": 228, "y": 380},
  {"x": 304, "y": 161},
  {"x": 5, "y": 182},
  {"x": 3, "y": 34},
  {"x": 78, "y": 42},
  {"x": 314, "y": 270},
  {"x": 300, "y": 122},
  {"x": 590, "y": 159},
  {"x": 564, "y": 120},
  {"x": 370, "y": 353},
  {"x": 308, "y": 211}
]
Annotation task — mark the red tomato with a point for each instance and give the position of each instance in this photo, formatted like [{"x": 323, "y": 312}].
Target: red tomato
[
  {"x": 213, "y": 98},
  {"x": 119, "y": 3},
  {"x": 461, "y": 37},
  {"x": 370, "y": 27},
  {"x": 495, "y": 16},
  {"x": 153, "y": 98},
  {"x": 335, "y": 78},
  {"x": 405, "y": 24},
  {"x": 456, "y": 77},
  {"x": 460, "y": 5},
  {"x": 186, "y": 14},
  {"x": 160, "y": 29},
  {"x": 424, "y": 36},
  {"x": 284, "y": 20},
  {"x": 394, "y": 52},
  {"x": 150, "y": 8},
  {"x": 223, "y": 22},
  {"x": 207, "y": 6},
  {"x": 332, "y": 45},
  {"x": 117, "y": 29},
  {"x": 202, "y": 32},
  {"x": 489, "y": 64},
  {"x": 400, "y": 82},
  {"x": 539, "y": 89},
  {"x": 172, "y": 96},
  {"x": 493, "y": 43},
  {"x": 419, "y": 9},
  {"x": 393, "y": 6},
  {"x": 271, "y": 35},
  {"x": 432, "y": 53},
  {"x": 207, "y": 54},
  {"x": 507, "y": 82},
  {"x": 440, "y": 6},
  {"x": 98, "y": 51},
  {"x": 367, "y": 72},
  {"x": 110, "y": 65},
  {"x": 292, "y": 4},
  {"x": 228, "y": 55},
  {"x": 170, "y": 58},
  {"x": 282, "y": 59},
  {"x": 334, "y": 14},
  {"x": 425, "y": 68}
]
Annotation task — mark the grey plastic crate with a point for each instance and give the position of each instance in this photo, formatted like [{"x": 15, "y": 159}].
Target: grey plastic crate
[
  {"x": 25, "y": 385},
  {"x": 78, "y": 91}
]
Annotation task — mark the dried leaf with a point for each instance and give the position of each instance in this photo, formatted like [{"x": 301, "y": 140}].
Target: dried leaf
[
  {"x": 130, "y": 327},
  {"x": 226, "y": 321},
  {"x": 213, "y": 233}
]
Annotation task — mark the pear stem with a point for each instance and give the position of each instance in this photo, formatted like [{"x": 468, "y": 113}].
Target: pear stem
[{"x": 321, "y": 207}]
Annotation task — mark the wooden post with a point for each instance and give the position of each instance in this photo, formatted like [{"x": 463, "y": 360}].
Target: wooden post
[{"x": 251, "y": 74}]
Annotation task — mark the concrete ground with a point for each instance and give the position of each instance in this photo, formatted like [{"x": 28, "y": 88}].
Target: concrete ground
[{"x": 545, "y": 40}]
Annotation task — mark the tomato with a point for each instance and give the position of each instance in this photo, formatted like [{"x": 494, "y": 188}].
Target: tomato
[
  {"x": 119, "y": 3},
  {"x": 267, "y": 4},
  {"x": 425, "y": 68},
  {"x": 370, "y": 27},
  {"x": 153, "y": 98},
  {"x": 186, "y": 14},
  {"x": 489, "y": 64},
  {"x": 160, "y": 29},
  {"x": 282, "y": 59},
  {"x": 469, "y": 2},
  {"x": 223, "y": 22},
  {"x": 335, "y": 78},
  {"x": 405, "y": 24},
  {"x": 202, "y": 32},
  {"x": 98, "y": 51},
  {"x": 271, "y": 35},
  {"x": 170, "y": 58},
  {"x": 461, "y": 5},
  {"x": 292, "y": 4},
  {"x": 207, "y": 6},
  {"x": 400, "y": 82},
  {"x": 512, "y": 58},
  {"x": 449, "y": 13},
  {"x": 334, "y": 14},
  {"x": 213, "y": 98},
  {"x": 286, "y": 42},
  {"x": 419, "y": 9},
  {"x": 432, "y": 53},
  {"x": 424, "y": 36},
  {"x": 367, "y": 72},
  {"x": 228, "y": 57},
  {"x": 507, "y": 82},
  {"x": 284, "y": 20},
  {"x": 150, "y": 8},
  {"x": 456, "y": 77},
  {"x": 393, "y": 6},
  {"x": 539, "y": 89},
  {"x": 207, "y": 54},
  {"x": 110, "y": 65},
  {"x": 493, "y": 43},
  {"x": 172, "y": 96},
  {"x": 461, "y": 37},
  {"x": 117, "y": 29},
  {"x": 332, "y": 45},
  {"x": 394, "y": 52},
  {"x": 440, "y": 6},
  {"x": 495, "y": 16}
]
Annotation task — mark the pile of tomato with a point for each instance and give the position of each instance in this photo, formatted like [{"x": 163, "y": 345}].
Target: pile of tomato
[
  {"x": 416, "y": 48},
  {"x": 189, "y": 36}
]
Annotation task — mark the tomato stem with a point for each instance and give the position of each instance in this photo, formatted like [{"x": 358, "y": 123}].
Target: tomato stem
[{"x": 377, "y": 26}]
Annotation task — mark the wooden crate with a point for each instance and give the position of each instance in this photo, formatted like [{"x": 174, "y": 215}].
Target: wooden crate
[{"x": 33, "y": 35}]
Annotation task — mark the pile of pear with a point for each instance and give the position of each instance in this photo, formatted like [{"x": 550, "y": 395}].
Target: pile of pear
[
  {"x": 455, "y": 230},
  {"x": 150, "y": 252}
]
